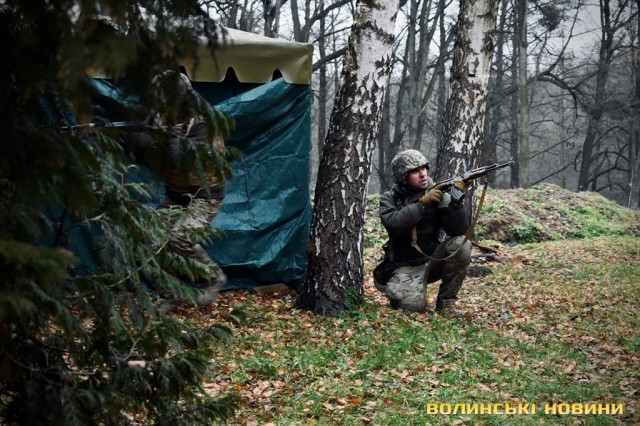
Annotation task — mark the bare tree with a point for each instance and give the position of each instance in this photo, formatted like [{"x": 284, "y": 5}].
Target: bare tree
[
  {"x": 335, "y": 272},
  {"x": 612, "y": 22},
  {"x": 322, "y": 83},
  {"x": 313, "y": 13},
  {"x": 271, "y": 14},
  {"x": 524, "y": 108},
  {"x": 493, "y": 121},
  {"x": 634, "y": 143},
  {"x": 242, "y": 15},
  {"x": 440, "y": 71},
  {"x": 420, "y": 72}
]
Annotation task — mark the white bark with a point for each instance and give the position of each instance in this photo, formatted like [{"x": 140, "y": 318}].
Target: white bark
[
  {"x": 335, "y": 270},
  {"x": 466, "y": 106}
]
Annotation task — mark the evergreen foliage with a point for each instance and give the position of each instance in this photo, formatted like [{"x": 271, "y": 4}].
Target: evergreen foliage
[{"x": 81, "y": 341}]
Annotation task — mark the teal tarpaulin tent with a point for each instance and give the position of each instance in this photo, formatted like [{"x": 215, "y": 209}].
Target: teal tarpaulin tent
[
  {"x": 266, "y": 214},
  {"x": 264, "y": 84}
]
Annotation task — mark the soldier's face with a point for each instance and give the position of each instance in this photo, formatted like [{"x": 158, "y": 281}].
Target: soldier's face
[{"x": 418, "y": 177}]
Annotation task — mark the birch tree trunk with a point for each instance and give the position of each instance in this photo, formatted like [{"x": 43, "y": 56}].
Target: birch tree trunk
[
  {"x": 335, "y": 271},
  {"x": 465, "y": 112}
]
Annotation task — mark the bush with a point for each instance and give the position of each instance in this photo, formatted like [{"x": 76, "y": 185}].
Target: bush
[{"x": 80, "y": 336}]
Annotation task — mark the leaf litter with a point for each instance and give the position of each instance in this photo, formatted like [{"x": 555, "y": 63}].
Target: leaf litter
[{"x": 553, "y": 320}]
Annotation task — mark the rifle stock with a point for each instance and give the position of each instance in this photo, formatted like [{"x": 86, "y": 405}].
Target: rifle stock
[{"x": 468, "y": 176}]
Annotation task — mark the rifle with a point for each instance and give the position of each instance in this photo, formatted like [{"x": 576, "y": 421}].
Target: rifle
[
  {"x": 78, "y": 128},
  {"x": 468, "y": 176},
  {"x": 145, "y": 125}
]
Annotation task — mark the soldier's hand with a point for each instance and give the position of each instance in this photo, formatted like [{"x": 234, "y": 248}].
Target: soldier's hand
[
  {"x": 460, "y": 185},
  {"x": 434, "y": 196}
]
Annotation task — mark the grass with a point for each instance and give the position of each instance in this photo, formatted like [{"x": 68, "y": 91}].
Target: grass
[
  {"x": 555, "y": 323},
  {"x": 548, "y": 212}
]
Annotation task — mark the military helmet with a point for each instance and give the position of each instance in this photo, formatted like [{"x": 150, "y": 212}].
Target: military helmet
[{"x": 406, "y": 161}]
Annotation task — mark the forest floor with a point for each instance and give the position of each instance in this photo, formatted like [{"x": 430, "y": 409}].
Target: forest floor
[{"x": 552, "y": 336}]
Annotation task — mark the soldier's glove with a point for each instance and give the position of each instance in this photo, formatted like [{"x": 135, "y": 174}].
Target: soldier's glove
[
  {"x": 458, "y": 192},
  {"x": 460, "y": 185},
  {"x": 433, "y": 197}
]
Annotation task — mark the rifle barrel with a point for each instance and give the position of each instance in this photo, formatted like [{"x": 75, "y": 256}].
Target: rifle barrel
[{"x": 475, "y": 173}]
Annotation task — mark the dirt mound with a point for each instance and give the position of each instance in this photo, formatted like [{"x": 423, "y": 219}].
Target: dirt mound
[
  {"x": 548, "y": 212},
  {"x": 541, "y": 213}
]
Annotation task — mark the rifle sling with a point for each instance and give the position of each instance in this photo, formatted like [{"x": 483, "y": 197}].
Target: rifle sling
[{"x": 467, "y": 235}]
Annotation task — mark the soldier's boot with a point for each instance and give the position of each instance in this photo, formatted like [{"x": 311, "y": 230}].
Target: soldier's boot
[
  {"x": 454, "y": 271},
  {"x": 446, "y": 303},
  {"x": 449, "y": 308},
  {"x": 210, "y": 293},
  {"x": 167, "y": 306}
]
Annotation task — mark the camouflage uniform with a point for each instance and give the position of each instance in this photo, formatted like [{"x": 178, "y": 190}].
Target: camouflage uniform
[
  {"x": 198, "y": 215},
  {"x": 409, "y": 270},
  {"x": 201, "y": 206},
  {"x": 174, "y": 93}
]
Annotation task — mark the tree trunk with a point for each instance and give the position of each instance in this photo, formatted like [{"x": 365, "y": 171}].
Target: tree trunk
[
  {"x": 596, "y": 110},
  {"x": 271, "y": 17},
  {"x": 322, "y": 91},
  {"x": 417, "y": 52},
  {"x": 514, "y": 146},
  {"x": 335, "y": 271},
  {"x": 400, "y": 114},
  {"x": 494, "y": 121},
  {"x": 524, "y": 108},
  {"x": 634, "y": 145},
  {"x": 440, "y": 74},
  {"x": 426, "y": 39},
  {"x": 466, "y": 106},
  {"x": 384, "y": 145}
]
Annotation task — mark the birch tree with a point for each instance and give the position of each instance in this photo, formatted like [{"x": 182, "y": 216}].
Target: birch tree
[
  {"x": 465, "y": 112},
  {"x": 335, "y": 271}
]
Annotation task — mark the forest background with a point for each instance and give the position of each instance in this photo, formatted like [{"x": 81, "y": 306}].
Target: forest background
[
  {"x": 564, "y": 87},
  {"x": 82, "y": 346},
  {"x": 564, "y": 93}
]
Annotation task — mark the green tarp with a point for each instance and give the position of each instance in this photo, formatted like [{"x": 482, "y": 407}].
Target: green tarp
[{"x": 266, "y": 214}]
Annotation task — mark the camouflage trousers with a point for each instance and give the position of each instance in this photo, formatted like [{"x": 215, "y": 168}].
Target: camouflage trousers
[
  {"x": 197, "y": 216},
  {"x": 407, "y": 286}
]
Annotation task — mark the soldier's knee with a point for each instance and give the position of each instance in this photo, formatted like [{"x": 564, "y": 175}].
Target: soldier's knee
[
  {"x": 407, "y": 295},
  {"x": 460, "y": 247}
]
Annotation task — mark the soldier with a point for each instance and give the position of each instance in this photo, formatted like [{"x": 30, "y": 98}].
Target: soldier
[
  {"x": 198, "y": 203},
  {"x": 416, "y": 214}
]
